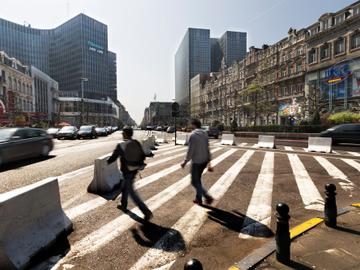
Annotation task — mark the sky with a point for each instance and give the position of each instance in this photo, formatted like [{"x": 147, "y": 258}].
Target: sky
[{"x": 145, "y": 34}]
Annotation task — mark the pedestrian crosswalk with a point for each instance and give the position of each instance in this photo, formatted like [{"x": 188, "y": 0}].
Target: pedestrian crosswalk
[{"x": 165, "y": 182}]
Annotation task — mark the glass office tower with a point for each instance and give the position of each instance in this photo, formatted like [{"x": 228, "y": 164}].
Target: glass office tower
[
  {"x": 233, "y": 46},
  {"x": 192, "y": 57},
  {"x": 74, "y": 50}
]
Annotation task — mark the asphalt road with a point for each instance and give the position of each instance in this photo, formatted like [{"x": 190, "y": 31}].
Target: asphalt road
[{"x": 247, "y": 184}]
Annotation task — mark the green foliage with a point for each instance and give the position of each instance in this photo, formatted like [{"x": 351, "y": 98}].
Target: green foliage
[
  {"x": 315, "y": 119},
  {"x": 233, "y": 126},
  {"x": 344, "y": 117},
  {"x": 281, "y": 128}
]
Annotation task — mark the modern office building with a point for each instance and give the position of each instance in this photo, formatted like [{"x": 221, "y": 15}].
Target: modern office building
[
  {"x": 158, "y": 113},
  {"x": 75, "y": 54},
  {"x": 233, "y": 46},
  {"x": 200, "y": 54}
]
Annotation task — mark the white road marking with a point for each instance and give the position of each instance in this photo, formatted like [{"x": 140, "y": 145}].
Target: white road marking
[
  {"x": 165, "y": 153},
  {"x": 335, "y": 152},
  {"x": 309, "y": 193},
  {"x": 258, "y": 214},
  {"x": 243, "y": 144},
  {"x": 157, "y": 162},
  {"x": 75, "y": 173},
  {"x": 352, "y": 163},
  {"x": 188, "y": 225},
  {"x": 254, "y": 146},
  {"x": 116, "y": 227},
  {"x": 288, "y": 148},
  {"x": 354, "y": 154},
  {"x": 335, "y": 173},
  {"x": 161, "y": 150},
  {"x": 99, "y": 201}
]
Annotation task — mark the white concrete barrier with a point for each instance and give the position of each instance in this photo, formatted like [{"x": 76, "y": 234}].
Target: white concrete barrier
[
  {"x": 319, "y": 144},
  {"x": 266, "y": 141},
  {"x": 182, "y": 138},
  {"x": 106, "y": 176},
  {"x": 162, "y": 138},
  {"x": 31, "y": 218},
  {"x": 147, "y": 144},
  {"x": 227, "y": 139}
]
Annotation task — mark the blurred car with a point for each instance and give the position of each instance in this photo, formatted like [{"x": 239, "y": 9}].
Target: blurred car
[
  {"x": 212, "y": 131},
  {"x": 150, "y": 127},
  {"x": 114, "y": 128},
  {"x": 20, "y": 143},
  {"x": 87, "y": 132},
  {"x": 53, "y": 132},
  {"x": 159, "y": 128},
  {"x": 170, "y": 129},
  {"x": 109, "y": 129},
  {"x": 68, "y": 132},
  {"x": 101, "y": 131},
  {"x": 345, "y": 133}
]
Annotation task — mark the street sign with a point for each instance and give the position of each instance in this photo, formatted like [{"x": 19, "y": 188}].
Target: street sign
[{"x": 175, "y": 109}]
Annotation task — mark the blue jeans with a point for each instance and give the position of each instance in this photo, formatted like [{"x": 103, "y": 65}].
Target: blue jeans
[
  {"x": 196, "y": 173},
  {"x": 128, "y": 189}
]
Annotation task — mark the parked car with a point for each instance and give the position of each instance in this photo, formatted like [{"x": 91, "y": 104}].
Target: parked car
[
  {"x": 101, "y": 131},
  {"x": 114, "y": 128},
  {"x": 170, "y": 129},
  {"x": 345, "y": 133},
  {"x": 212, "y": 131},
  {"x": 159, "y": 128},
  {"x": 68, "y": 132},
  {"x": 20, "y": 143},
  {"x": 110, "y": 130},
  {"x": 87, "y": 132},
  {"x": 150, "y": 127},
  {"x": 53, "y": 132}
]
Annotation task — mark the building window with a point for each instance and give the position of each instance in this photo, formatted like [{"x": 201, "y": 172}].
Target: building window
[
  {"x": 325, "y": 51},
  {"x": 355, "y": 40},
  {"x": 339, "y": 19},
  {"x": 339, "y": 46},
  {"x": 356, "y": 10},
  {"x": 312, "y": 56}
]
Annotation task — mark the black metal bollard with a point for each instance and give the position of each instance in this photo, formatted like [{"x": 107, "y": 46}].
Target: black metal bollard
[
  {"x": 282, "y": 236},
  {"x": 330, "y": 205},
  {"x": 193, "y": 264}
]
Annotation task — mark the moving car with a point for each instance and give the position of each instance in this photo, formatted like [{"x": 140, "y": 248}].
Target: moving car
[
  {"x": 53, "y": 132},
  {"x": 345, "y": 133},
  {"x": 20, "y": 143},
  {"x": 68, "y": 132},
  {"x": 159, "y": 128},
  {"x": 170, "y": 129},
  {"x": 150, "y": 127},
  {"x": 212, "y": 131},
  {"x": 101, "y": 131},
  {"x": 87, "y": 132}
]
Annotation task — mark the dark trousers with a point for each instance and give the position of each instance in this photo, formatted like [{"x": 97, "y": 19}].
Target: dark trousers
[
  {"x": 128, "y": 189},
  {"x": 196, "y": 173}
]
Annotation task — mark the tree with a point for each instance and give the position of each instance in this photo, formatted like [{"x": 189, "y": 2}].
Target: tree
[{"x": 234, "y": 126}]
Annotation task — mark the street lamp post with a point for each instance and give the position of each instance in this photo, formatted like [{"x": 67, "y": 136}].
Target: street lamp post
[{"x": 82, "y": 100}]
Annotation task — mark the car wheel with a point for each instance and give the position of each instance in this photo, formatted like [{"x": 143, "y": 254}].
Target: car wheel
[{"x": 45, "y": 150}]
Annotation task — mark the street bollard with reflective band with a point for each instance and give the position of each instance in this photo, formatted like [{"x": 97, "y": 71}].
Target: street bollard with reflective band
[
  {"x": 193, "y": 264},
  {"x": 282, "y": 236},
  {"x": 330, "y": 205}
]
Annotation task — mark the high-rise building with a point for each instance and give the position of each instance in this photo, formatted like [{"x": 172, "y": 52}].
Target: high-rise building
[
  {"x": 192, "y": 57},
  {"x": 200, "y": 54},
  {"x": 233, "y": 46},
  {"x": 75, "y": 54}
]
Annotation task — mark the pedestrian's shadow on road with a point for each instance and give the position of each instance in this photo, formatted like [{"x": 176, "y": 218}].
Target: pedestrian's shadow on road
[
  {"x": 148, "y": 234},
  {"x": 347, "y": 230},
  {"x": 298, "y": 266},
  {"x": 238, "y": 222},
  {"x": 25, "y": 162}
]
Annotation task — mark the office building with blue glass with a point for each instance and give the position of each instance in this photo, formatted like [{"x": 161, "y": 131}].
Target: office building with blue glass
[{"x": 75, "y": 54}]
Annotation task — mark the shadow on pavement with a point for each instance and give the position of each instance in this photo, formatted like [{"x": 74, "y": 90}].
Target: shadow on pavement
[
  {"x": 148, "y": 234},
  {"x": 347, "y": 230},
  {"x": 20, "y": 163},
  {"x": 298, "y": 266},
  {"x": 235, "y": 221}
]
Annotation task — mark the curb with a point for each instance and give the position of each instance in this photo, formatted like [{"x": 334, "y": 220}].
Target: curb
[{"x": 258, "y": 255}]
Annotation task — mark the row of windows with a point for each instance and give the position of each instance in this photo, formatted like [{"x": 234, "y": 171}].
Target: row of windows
[{"x": 17, "y": 85}]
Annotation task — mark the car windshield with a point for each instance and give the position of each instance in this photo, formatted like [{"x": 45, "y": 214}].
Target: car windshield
[
  {"x": 5, "y": 134},
  {"x": 68, "y": 129},
  {"x": 85, "y": 128}
]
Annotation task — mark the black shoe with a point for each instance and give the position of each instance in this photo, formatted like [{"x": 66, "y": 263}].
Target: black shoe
[
  {"x": 148, "y": 216},
  {"x": 122, "y": 208},
  {"x": 197, "y": 201},
  {"x": 209, "y": 200}
]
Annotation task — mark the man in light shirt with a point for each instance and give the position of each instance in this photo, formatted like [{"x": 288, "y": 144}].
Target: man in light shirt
[{"x": 199, "y": 154}]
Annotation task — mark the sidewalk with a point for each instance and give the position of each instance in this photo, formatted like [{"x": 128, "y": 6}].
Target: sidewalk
[{"x": 325, "y": 248}]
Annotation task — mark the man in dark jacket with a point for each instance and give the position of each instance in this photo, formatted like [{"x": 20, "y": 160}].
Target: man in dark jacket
[
  {"x": 199, "y": 154},
  {"x": 132, "y": 159}
]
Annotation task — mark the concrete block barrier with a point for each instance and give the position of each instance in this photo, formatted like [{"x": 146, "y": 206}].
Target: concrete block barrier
[
  {"x": 182, "y": 139},
  {"x": 162, "y": 138},
  {"x": 147, "y": 145},
  {"x": 266, "y": 141},
  {"x": 227, "y": 139},
  {"x": 319, "y": 144},
  {"x": 106, "y": 177},
  {"x": 31, "y": 220}
]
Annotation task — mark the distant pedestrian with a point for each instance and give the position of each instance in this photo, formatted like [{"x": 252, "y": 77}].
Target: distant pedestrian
[
  {"x": 199, "y": 153},
  {"x": 132, "y": 158}
]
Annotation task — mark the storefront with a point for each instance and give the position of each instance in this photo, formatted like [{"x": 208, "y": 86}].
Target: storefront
[
  {"x": 337, "y": 87},
  {"x": 291, "y": 111}
]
